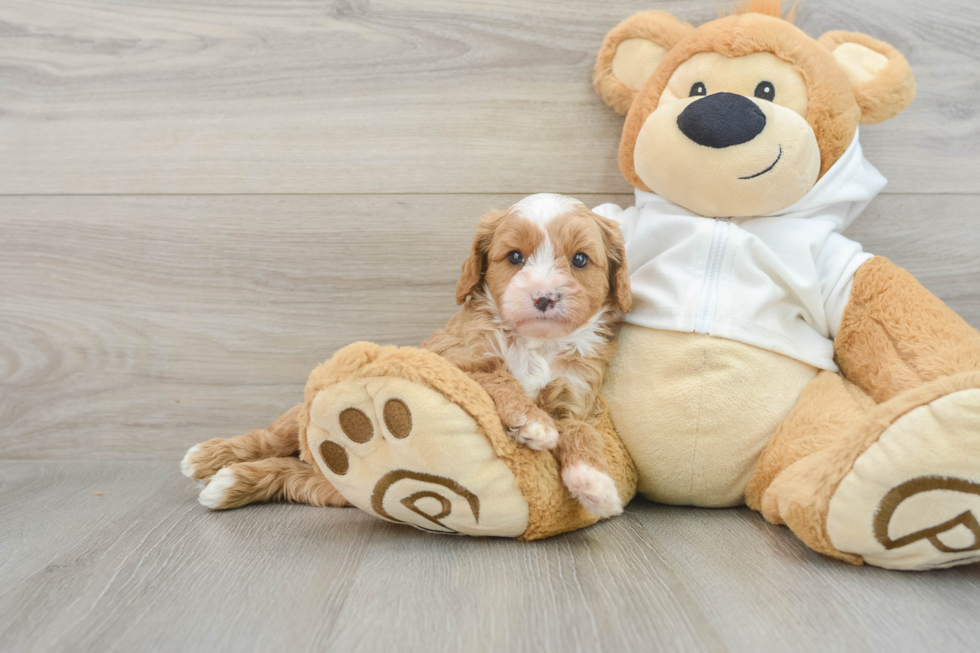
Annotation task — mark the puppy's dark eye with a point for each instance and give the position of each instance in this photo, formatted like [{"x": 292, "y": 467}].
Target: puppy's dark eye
[
  {"x": 698, "y": 89},
  {"x": 580, "y": 260},
  {"x": 765, "y": 91},
  {"x": 515, "y": 258}
]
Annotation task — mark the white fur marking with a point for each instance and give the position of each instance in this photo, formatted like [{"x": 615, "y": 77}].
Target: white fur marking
[
  {"x": 213, "y": 496},
  {"x": 186, "y": 468},
  {"x": 530, "y": 359},
  {"x": 543, "y": 207},
  {"x": 542, "y": 265},
  {"x": 594, "y": 490}
]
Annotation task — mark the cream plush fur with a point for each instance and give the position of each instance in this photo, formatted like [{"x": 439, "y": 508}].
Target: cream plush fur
[{"x": 711, "y": 405}]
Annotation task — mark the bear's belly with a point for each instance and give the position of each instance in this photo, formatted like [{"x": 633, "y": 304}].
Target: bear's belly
[{"x": 695, "y": 411}]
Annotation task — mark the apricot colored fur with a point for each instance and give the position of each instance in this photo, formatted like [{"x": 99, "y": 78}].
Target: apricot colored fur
[
  {"x": 265, "y": 467},
  {"x": 280, "y": 479}
]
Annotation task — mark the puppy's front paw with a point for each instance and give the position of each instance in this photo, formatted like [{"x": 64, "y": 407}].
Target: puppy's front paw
[
  {"x": 534, "y": 429},
  {"x": 595, "y": 490},
  {"x": 538, "y": 435}
]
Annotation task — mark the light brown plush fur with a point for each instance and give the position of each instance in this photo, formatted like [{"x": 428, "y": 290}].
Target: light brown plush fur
[
  {"x": 800, "y": 495},
  {"x": 656, "y": 26},
  {"x": 896, "y": 335},
  {"x": 900, "y": 348},
  {"x": 827, "y": 409},
  {"x": 890, "y": 90},
  {"x": 552, "y": 510}
]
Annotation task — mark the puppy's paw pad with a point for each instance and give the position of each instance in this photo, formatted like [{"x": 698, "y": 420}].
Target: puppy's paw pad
[
  {"x": 538, "y": 435},
  {"x": 595, "y": 490},
  {"x": 215, "y": 495}
]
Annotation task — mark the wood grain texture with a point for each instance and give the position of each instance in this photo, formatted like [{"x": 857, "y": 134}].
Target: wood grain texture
[
  {"x": 134, "y": 327},
  {"x": 350, "y": 96},
  {"x": 147, "y": 568},
  {"x": 199, "y": 202}
]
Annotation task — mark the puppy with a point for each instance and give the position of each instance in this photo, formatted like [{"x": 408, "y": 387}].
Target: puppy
[{"x": 543, "y": 290}]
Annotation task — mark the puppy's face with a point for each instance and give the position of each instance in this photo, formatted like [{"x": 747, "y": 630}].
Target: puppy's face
[{"x": 549, "y": 264}]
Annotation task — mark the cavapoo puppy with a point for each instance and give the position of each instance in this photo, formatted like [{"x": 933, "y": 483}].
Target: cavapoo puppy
[{"x": 542, "y": 291}]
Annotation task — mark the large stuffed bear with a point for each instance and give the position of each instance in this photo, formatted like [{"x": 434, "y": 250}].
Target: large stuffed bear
[{"x": 768, "y": 360}]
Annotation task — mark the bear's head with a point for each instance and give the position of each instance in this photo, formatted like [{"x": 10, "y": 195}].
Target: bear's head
[{"x": 742, "y": 115}]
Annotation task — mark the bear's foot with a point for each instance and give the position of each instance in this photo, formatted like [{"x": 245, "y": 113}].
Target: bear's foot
[
  {"x": 406, "y": 436},
  {"x": 912, "y": 498},
  {"x": 901, "y": 490},
  {"x": 405, "y": 453}
]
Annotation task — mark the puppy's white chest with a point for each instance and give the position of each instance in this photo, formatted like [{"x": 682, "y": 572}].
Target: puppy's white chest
[{"x": 532, "y": 367}]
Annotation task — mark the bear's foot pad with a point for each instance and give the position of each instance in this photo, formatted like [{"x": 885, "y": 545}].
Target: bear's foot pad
[
  {"x": 403, "y": 452},
  {"x": 912, "y": 500}
]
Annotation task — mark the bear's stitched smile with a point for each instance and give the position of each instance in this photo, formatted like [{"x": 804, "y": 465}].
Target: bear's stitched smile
[{"x": 771, "y": 166}]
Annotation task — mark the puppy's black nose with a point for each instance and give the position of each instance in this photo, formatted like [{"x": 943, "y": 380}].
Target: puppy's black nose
[
  {"x": 544, "y": 302},
  {"x": 722, "y": 120}
]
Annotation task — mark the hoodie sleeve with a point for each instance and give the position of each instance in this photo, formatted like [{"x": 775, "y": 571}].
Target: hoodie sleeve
[{"x": 837, "y": 264}]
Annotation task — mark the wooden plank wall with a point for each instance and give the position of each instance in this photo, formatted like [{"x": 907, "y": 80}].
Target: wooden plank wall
[{"x": 200, "y": 201}]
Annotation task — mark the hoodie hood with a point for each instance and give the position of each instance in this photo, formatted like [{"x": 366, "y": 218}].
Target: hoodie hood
[{"x": 839, "y": 196}]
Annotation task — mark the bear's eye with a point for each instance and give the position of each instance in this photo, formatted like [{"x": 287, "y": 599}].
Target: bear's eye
[
  {"x": 580, "y": 260},
  {"x": 698, "y": 89},
  {"x": 515, "y": 258},
  {"x": 765, "y": 91}
]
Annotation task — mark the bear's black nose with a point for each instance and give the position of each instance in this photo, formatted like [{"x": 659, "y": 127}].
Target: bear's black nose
[{"x": 722, "y": 120}]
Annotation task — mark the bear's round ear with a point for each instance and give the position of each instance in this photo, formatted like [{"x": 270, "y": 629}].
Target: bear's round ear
[
  {"x": 631, "y": 52},
  {"x": 880, "y": 76}
]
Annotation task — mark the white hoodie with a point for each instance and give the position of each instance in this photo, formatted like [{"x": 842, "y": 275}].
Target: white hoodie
[{"x": 778, "y": 281}]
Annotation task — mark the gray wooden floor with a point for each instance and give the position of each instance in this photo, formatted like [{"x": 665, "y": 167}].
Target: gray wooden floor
[
  {"x": 200, "y": 201},
  {"x": 146, "y": 568}
]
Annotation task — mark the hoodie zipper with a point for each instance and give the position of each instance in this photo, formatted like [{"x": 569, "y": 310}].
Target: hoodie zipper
[{"x": 704, "y": 316}]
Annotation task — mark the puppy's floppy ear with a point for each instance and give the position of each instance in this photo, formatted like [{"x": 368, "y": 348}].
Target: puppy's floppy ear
[
  {"x": 619, "y": 275},
  {"x": 631, "y": 52},
  {"x": 476, "y": 264},
  {"x": 880, "y": 76}
]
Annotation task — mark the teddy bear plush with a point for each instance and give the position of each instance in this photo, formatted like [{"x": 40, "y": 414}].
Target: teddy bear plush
[{"x": 768, "y": 359}]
